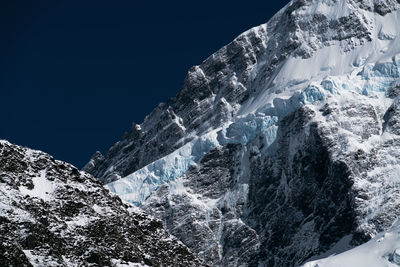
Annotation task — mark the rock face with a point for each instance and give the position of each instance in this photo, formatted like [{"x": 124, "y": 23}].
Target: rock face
[
  {"x": 212, "y": 92},
  {"x": 54, "y": 215},
  {"x": 282, "y": 146}
]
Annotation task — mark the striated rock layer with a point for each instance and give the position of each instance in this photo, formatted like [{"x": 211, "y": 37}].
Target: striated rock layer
[{"x": 281, "y": 146}]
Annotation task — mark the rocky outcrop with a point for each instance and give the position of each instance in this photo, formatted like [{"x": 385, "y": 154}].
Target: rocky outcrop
[{"x": 54, "y": 215}]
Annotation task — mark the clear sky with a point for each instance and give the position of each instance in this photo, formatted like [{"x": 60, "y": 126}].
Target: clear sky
[{"x": 74, "y": 75}]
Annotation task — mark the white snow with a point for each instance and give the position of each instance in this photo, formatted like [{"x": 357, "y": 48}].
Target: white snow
[
  {"x": 334, "y": 75},
  {"x": 378, "y": 252},
  {"x": 81, "y": 220},
  {"x": 42, "y": 187},
  {"x": 296, "y": 73},
  {"x": 7, "y": 195},
  {"x": 328, "y": 75},
  {"x": 120, "y": 263},
  {"x": 137, "y": 186},
  {"x": 39, "y": 260},
  {"x": 102, "y": 210}
]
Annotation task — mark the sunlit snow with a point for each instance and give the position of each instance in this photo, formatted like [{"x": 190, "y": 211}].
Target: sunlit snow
[
  {"x": 368, "y": 70},
  {"x": 381, "y": 251},
  {"x": 42, "y": 187}
]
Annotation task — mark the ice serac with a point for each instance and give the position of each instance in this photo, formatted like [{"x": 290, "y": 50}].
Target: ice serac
[
  {"x": 53, "y": 215},
  {"x": 279, "y": 147}
]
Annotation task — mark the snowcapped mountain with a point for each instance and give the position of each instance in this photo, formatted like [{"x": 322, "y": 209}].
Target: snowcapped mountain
[
  {"x": 53, "y": 215},
  {"x": 281, "y": 145}
]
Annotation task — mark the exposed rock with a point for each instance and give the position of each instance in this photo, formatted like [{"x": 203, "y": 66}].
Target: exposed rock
[
  {"x": 54, "y": 215},
  {"x": 212, "y": 92},
  {"x": 279, "y": 147}
]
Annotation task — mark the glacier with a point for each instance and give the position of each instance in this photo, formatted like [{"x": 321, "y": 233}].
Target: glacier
[
  {"x": 139, "y": 185},
  {"x": 370, "y": 79},
  {"x": 280, "y": 146}
]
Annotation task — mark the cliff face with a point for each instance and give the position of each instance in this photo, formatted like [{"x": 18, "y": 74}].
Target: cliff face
[
  {"x": 54, "y": 215},
  {"x": 280, "y": 146},
  {"x": 213, "y": 92}
]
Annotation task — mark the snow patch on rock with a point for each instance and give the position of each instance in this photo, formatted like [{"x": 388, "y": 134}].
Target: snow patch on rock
[{"x": 42, "y": 187}]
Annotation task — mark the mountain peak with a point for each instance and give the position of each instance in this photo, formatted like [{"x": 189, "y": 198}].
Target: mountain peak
[
  {"x": 292, "y": 48},
  {"x": 279, "y": 146}
]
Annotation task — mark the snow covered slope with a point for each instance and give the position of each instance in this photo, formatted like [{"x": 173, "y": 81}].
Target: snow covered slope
[
  {"x": 381, "y": 251},
  {"x": 280, "y": 144},
  {"x": 237, "y": 86},
  {"x": 53, "y": 215}
]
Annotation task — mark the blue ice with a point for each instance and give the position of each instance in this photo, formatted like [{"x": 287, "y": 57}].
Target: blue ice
[
  {"x": 312, "y": 94},
  {"x": 245, "y": 129},
  {"x": 385, "y": 69}
]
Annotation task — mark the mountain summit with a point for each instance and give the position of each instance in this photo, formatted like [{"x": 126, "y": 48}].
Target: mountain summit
[{"x": 282, "y": 146}]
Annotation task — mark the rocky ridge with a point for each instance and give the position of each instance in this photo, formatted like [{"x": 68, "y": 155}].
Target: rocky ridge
[
  {"x": 54, "y": 215},
  {"x": 213, "y": 92}
]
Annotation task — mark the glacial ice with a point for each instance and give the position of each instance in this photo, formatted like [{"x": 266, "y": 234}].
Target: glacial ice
[
  {"x": 299, "y": 81},
  {"x": 369, "y": 80},
  {"x": 245, "y": 129},
  {"x": 137, "y": 186},
  {"x": 380, "y": 69},
  {"x": 312, "y": 94},
  {"x": 329, "y": 85},
  {"x": 378, "y": 77}
]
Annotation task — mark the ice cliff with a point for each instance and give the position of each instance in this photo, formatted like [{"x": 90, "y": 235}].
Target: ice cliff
[{"x": 280, "y": 145}]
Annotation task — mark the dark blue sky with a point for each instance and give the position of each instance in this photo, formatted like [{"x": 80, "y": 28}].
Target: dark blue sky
[{"x": 74, "y": 75}]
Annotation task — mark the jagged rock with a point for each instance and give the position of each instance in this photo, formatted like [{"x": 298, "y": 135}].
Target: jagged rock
[
  {"x": 232, "y": 75},
  {"x": 54, "y": 215},
  {"x": 281, "y": 146}
]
